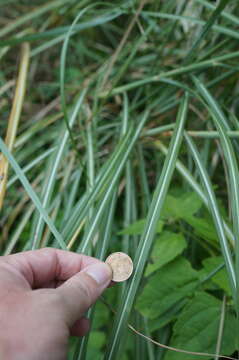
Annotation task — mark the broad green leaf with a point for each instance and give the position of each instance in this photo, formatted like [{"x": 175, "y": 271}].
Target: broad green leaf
[
  {"x": 203, "y": 227},
  {"x": 138, "y": 226},
  {"x": 167, "y": 286},
  {"x": 167, "y": 247},
  {"x": 97, "y": 339},
  {"x": 177, "y": 207},
  {"x": 167, "y": 317},
  {"x": 187, "y": 176},
  {"x": 96, "y": 342},
  {"x": 220, "y": 278},
  {"x": 197, "y": 328},
  {"x": 181, "y": 206},
  {"x": 101, "y": 316}
]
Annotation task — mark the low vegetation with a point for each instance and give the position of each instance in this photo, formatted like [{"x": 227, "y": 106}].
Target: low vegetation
[{"x": 119, "y": 132}]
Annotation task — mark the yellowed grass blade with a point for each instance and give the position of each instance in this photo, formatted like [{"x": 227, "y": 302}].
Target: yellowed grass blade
[{"x": 14, "y": 117}]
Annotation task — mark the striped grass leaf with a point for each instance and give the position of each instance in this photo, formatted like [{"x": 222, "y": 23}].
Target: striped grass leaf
[
  {"x": 100, "y": 209},
  {"x": 102, "y": 246},
  {"x": 217, "y": 28},
  {"x": 220, "y": 120},
  {"x": 105, "y": 183},
  {"x": 54, "y": 163},
  {"x": 62, "y": 74},
  {"x": 215, "y": 213},
  {"x": 57, "y": 35},
  {"x": 72, "y": 194},
  {"x": 32, "y": 15},
  {"x": 186, "y": 174},
  {"x": 19, "y": 229},
  {"x": 231, "y": 17},
  {"x": 206, "y": 28},
  {"x": 31, "y": 165},
  {"x": 102, "y": 181},
  {"x": 33, "y": 196},
  {"x": 147, "y": 237},
  {"x": 216, "y": 61}
]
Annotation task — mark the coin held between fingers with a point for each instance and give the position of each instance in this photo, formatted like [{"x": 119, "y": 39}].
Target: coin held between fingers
[{"x": 121, "y": 265}]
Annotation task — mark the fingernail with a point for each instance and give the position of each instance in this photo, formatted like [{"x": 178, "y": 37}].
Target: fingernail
[{"x": 100, "y": 272}]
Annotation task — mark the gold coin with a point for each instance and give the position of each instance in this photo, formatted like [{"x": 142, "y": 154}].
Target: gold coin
[{"x": 121, "y": 265}]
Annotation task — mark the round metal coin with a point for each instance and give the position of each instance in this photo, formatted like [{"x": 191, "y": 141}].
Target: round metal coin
[{"x": 121, "y": 265}]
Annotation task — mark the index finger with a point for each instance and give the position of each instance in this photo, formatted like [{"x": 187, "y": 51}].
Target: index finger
[{"x": 39, "y": 267}]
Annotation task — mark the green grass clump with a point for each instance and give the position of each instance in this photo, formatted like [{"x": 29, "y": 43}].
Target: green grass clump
[{"x": 127, "y": 140}]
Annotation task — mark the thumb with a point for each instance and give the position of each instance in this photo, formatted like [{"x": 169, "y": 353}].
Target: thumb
[{"x": 82, "y": 290}]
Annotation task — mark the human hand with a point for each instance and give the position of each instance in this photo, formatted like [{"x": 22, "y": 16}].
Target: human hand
[{"x": 43, "y": 296}]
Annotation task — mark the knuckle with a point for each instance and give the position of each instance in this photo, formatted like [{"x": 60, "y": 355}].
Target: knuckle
[
  {"x": 85, "y": 292},
  {"x": 47, "y": 250}
]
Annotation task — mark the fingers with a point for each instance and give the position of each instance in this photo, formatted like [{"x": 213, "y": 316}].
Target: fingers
[
  {"x": 81, "y": 291},
  {"x": 48, "y": 265},
  {"x": 81, "y": 327}
]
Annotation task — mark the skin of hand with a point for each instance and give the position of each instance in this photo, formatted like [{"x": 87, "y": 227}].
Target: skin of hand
[{"x": 43, "y": 297}]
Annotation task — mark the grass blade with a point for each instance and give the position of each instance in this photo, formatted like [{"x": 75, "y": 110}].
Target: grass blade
[
  {"x": 215, "y": 213},
  {"x": 54, "y": 164},
  {"x": 32, "y": 15},
  {"x": 220, "y": 122},
  {"x": 181, "y": 70},
  {"x": 147, "y": 237},
  {"x": 14, "y": 117},
  {"x": 32, "y": 194},
  {"x": 206, "y": 28},
  {"x": 109, "y": 177},
  {"x": 196, "y": 187}
]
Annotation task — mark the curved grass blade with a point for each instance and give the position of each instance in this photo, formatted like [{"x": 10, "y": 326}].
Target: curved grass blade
[
  {"x": 186, "y": 174},
  {"x": 19, "y": 229},
  {"x": 63, "y": 69},
  {"x": 32, "y": 15},
  {"x": 31, "y": 165},
  {"x": 54, "y": 164},
  {"x": 101, "y": 183},
  {"x": 100, "y": 209},
  {"x": 14, "y": 118},
  {"x": 216, "y": 61},
  {"x": 33, "y": 196},
  {"x": 147, "y": 237},
  {"x": 58, "y": 34},
  {"x": 113, "y": 169},
  {"x": 231, "y": 17},
  {"x": 219, "y": 120},
  {"x": 101, "y": 249},
  {"x": 72, "y": 194},
  {"x": 206, "y": 28},
  {"x": 215, "y": 213},
  {"x": 101, "y": 21},
  {"x": 218, "y": 28}
]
